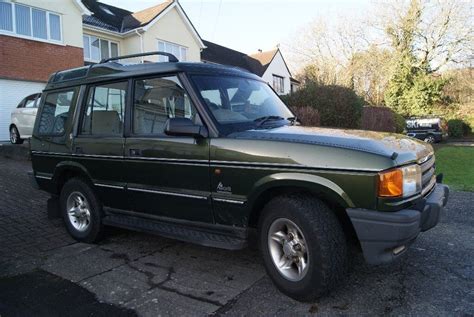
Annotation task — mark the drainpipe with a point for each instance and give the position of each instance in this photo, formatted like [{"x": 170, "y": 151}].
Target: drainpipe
[{"x": 141, "y": 43}]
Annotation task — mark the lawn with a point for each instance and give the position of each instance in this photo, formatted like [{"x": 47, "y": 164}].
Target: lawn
[{"x": 457, "y": 165}]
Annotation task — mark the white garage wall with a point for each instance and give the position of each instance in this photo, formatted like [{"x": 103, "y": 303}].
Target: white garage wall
[{"x": 11, "y": 93}]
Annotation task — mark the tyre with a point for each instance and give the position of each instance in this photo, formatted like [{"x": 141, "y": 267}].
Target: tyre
[
  {"x": 430, "y": 139},
  {"x": 303, "y": 246},
  {"x": 81, "y": 211},
  {"x": 15, "y": 135}
]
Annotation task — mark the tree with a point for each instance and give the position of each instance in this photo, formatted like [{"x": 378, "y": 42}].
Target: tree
[{"x": 412, "y": 89}]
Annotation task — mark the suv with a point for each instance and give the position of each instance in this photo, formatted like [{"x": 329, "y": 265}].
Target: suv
[
  {"x": 431, "y": 130},
  {"x": 210, "y": 155}
]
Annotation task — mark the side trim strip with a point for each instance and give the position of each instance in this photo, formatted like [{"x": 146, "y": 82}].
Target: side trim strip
[
  {"x": 109, "y": 186},
  {"x": 214, "y": 163},
  {"x": 166, "y": 193},
  {"x": 230, "y": 201},
  {"x": 44, "y": 177}
]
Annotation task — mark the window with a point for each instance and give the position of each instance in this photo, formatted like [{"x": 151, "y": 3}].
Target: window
[
  {"x": 6, "y": 16},
  {"x": 96, "y": 48},
  {"x": 56, "y": 112},
  {"x": 105, "y": 110},
  {"x": 180, "y": 52},
  {"x": 278, "y": 84},
  {"x": 239, "y": 103},
  {"x": 158, "y": 99},
  {"x": 29, "y": 22}
]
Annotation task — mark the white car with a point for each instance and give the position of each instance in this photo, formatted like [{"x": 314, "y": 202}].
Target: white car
[{"x": 23, "y": 118}]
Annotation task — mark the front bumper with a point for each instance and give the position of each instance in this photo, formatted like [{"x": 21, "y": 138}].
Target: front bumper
[{"x": 384, "y": 236}]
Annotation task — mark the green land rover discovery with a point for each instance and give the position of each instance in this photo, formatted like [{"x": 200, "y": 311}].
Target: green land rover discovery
[{"x": 211, "y": 155}]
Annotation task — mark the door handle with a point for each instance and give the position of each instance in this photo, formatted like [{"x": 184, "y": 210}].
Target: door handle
[
  {"x": 79, "y": 150},
  {"x": 135, "y": 152}
]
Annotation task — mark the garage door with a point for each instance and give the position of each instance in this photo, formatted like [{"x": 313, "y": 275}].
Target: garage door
[{"x": 11, "y": 93}]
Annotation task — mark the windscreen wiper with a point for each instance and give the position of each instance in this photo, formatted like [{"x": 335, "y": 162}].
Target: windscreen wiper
[{"x": 262, "y": 120}]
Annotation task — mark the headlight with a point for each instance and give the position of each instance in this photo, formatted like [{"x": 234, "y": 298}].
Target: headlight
[{"x": 400, "y": 182}]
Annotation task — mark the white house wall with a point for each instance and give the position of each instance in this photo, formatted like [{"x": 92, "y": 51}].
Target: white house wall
[{"x": 278, "y": 67}]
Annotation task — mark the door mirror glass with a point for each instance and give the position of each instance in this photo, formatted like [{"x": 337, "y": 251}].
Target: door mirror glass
[{"x": 184, "y": 127}]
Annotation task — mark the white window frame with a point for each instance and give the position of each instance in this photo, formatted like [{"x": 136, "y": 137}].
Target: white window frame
[
  {"x": 282, "y": 82},
  {"x": 90, "y": 59},
  {"x": 31, "y": 37},
  {"x": 180, "y": 57}
]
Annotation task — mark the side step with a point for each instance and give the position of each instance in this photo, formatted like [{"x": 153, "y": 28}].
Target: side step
[{"x": 205, "y": 235}]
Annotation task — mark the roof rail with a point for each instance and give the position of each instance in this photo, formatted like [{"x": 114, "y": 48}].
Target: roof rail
[{"x": 171, "y": 57}]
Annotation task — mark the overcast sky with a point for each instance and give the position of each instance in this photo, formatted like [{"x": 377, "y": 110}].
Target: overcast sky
[{"x": 249, "y": 25}]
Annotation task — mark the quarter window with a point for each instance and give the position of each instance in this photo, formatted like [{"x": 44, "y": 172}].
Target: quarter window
[
  {"x": 105, "y": 110},
  {"x": 56, "y": 112},
  {"x": 158, "y": 99},
  {"x": 29, "y": 22}
]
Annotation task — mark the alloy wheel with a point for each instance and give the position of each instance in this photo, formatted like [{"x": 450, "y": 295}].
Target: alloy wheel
[
  {"x": 78, "y": 211},
  {"x": 288, "y": 249}
]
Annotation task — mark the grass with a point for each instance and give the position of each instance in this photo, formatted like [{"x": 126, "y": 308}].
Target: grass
[{"x": 457, "y": 165}]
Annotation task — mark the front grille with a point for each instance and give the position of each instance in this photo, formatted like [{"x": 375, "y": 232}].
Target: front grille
[{"x": 428, "y": 178}]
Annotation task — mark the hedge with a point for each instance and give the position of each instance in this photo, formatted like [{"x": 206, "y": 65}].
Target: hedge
[
  {"x": 337, "y": 106},
  {"x": 382, "y": 119}
]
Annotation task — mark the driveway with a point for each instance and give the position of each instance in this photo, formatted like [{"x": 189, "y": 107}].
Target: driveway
[{"x": 44, "y": 272}]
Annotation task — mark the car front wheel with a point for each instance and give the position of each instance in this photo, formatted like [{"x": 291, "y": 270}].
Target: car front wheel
[
  {"x": 15, "y": 136},
  {"x": 303, "y": 246}
]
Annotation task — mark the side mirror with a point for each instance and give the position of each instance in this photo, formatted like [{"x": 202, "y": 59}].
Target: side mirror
[{"x": 184, "y": 127}]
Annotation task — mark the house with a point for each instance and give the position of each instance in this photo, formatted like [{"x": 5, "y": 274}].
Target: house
[
  {"x": 269, "y": 65},
  {"x": 110, "y": 31},
  {"x": 38, "y": 38}
]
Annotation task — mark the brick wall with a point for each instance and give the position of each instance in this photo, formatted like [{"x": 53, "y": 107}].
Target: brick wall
[{"x": 23, "y": 59}]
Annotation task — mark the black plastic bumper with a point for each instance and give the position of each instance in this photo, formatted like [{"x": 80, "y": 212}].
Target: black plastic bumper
[{"x": 386, "y": 235}]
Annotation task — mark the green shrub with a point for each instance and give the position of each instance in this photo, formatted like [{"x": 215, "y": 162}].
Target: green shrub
[
  {"x": 400, "y": 123},
  {"x": 456, "y": 128},
  {"x": 337, "y": 106}
]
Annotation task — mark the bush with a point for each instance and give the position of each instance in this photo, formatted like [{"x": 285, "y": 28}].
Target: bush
[
  {"x": 382, "y": 119},
  {"x": 457, "y": 128},
  {"x": 337, "y": 106},
  {"x": 307, "y": 116}
]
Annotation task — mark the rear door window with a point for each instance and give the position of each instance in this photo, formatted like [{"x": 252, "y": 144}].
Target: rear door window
[
  {"x": 56, "y": 111},
  {"x": 104, "y": 113}
]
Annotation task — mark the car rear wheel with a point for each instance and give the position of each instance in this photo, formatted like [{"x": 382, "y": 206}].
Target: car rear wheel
[
  {"x": 81, "y": 211},
  {"x": 15, "y": 136},
  {"x": 303, "y": 246}
]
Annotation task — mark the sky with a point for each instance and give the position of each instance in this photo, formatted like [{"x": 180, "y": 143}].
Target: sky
[{"x": 247, "y": 25}]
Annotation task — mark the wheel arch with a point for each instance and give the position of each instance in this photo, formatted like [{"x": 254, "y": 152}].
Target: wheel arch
[
  {"x": 314, "y": 186},
  {"x": 66, "y": 170}
]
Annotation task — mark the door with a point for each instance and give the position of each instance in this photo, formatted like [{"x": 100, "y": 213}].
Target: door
[
  {"x": 98, "y": 146},
  {"x": 167, "y": 176}
]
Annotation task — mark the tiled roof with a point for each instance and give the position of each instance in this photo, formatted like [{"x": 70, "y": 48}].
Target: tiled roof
[
  {"x": 265, "y": 58},
  {"x": 144, "y": 17},
  {"x": 119, "y": 20},
  {"x": 256, "y": 63}
]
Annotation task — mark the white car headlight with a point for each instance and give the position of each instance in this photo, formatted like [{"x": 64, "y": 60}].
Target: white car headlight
[{"x": 400, "y": 182}]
